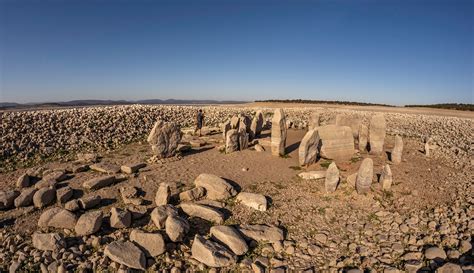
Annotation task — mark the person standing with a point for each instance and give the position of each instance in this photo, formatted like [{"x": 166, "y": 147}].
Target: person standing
[{"x": 199, "y": 121}]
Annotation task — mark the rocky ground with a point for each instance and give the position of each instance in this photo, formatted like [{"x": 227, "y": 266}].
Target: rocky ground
[{"x": 424, "y": 223}]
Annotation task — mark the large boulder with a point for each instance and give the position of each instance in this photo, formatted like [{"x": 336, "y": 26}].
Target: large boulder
[
  {"x": 216, "y": 187},
  {"x": 7, "y": 199},
  {"x": 202, "y": 211},
  {"x": 152, "y": 243},
  {"x": 89, "y": 223},
  {"x": 232, "y": 141},
  {"x": 308, "y": 149},
  {"x": 396, "y": 155},
  {"x": 364, "y": 176},
  {"x": 278, "y": 133},
  {"x": 253, "y": 200},
  {"x": 211, "y": 253},
  {"x": 164, "y": 138},
  {"x": 337, "y": 142},
  {"x": 126, "y": 253},
  {"x": 377, "y": 134},
  {"x": 230, "y": 237}
]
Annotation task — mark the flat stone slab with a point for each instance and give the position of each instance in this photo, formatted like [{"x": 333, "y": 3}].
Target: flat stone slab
[
  {"x": 99, "y": 182},
  {"x": 126, "y": 253},
  {"x": 312, "y": 175},
  {"x": 202, "y": 211},
  {"x": 105, "y": 168},
  {"x": 132, "y": 168}
]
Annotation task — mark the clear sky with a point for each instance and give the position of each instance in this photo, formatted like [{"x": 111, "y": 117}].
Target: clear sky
[{"x": 396, "y": 52}]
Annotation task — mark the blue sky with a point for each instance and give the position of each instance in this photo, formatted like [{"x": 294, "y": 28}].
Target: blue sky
[{"x": 395, "y": 52}]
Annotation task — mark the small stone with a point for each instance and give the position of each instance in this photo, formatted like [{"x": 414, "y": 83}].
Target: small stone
[
  {"x": 126, "y": 253},
  {"x": 192, "y": 194},
  {"x": 332, "y": 178},
  {"x": 162, "y": 194},
  {"x": 386, "y": 177},
  {"x": 161, "y": 213},
  {"x": 211, "y": 254},
  {"x": 89, "y": 202},
  {"x": 230, "y": 237},
  {"x": 120, "y": 218},
  {"x": 216, "y": 187},
  {"x": 253, "y": 200},
  {"x": 72, "y": 205},
  {"x": 99, "y": 182},
  {"x": 153, "y": 243},
  {"x": 449, "y": 268},
  {"x": 176, "y": 228},
  {"x": 23, "y": 181},
  {"x": 130, "y": 195},
  {"x": 89, "y": 223}
]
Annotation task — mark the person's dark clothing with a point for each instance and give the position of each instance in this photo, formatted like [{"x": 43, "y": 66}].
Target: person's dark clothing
[{"x": 199, "y": 119}]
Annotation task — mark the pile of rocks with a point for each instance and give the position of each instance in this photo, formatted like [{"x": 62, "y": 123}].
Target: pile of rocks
[{"x": 240, "y": 130}]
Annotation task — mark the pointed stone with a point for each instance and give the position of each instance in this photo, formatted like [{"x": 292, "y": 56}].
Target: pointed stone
[
  {"x": 278, "y": 133},
  {"x": 232, "y": 141},
  {"x": 308, "y": 149},
  {"x": 332, "y": 178},
  {"x": 377, "y": 134},
  {"x": 364, "y": 176},
  {"x": 162, "y": 194},
  {"x": 386, "y": 177},
  {"x": 363, "y": 137},
  {"x": 397, "y": 151}
]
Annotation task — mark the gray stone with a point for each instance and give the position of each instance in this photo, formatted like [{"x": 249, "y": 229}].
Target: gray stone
[
  {"x": 48, "y": 241},
  {"x": 308, "y": 149},
  {"x": 89, "y": 223},
  {"x": 126, "y": 253},
  {"x": 161, "y": 213},
  {"x": 176, "y": 228},
  {"x": 164, "y": 138},
  {"x": 278, "y": 133},
  {"x": 312, "y": 175},
  {"x": 120, "y": 218},
  {"x": 243, "y": 139},
  {"x": 313, "y": 121},
  {"x": 192, "y": 194},
  {"x": 211, "y": 254},
  {"x": 396, "y": 155},
  {"x": 153, "y": 243},
  {"x": 44, "y": 197},
  {"x": 253, "y": 200},
  {"x": 216, "y": 187},
  {"x": 262, "y": 233},
  {"x": 25, "y": 198},
  {"x": 363, "y": 137},
  {"x": 364, "y": 176},
  {"x": 64, "y": 194},
  {"x": 232, "y": 141},
  {"x": 202, "y": 211},
  {"x": 435, "y": 253},
  {"x": 105, "y": 167},
  {"x": 332, "y": 178},
  {"x": 99, "y": 182},
  {"x": 230, "y": 237},
  {"x": 57, "y": 218},
  {"x": 386, "y": 177},
  {"x": 337, "y": 142},
  {"x": 23, "y": 181},
  {"x": 132, "y": 167},
  {"x": 377, "y": 134},
  {"x": 162, "y": 194},
  {"x": 89, "y": 202}
]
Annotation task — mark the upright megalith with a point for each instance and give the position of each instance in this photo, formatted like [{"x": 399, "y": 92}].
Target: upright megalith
[
  {"x": 377, "y": 134},
  {"x": 337, "y": 142},
  {"x": 232, "y": 141},
  {"x": 397, "y": 151},
  {"x": 256, "y": 126},
  {"x": 244, "y": 122},
  {"x": 386, "y": 177},
  {"x": 313, "y": 121},
  {"x": 350, "y": 121},
  {"x": 332, "y": 178},
  {"x": 164, "y": 138},
  {"x": 243, "y": 139},
  {"x": 234, "y": 122},
  {"x": 363, "y": 137},
  {"x": 278, "y": 133},
  {"x": 308, "y": 150},
  {"x": 364, "y": 176},
  {"x": 225, "y": 128}
]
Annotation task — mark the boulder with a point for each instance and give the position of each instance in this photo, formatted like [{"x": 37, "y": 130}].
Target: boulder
[
  {"x": 161, "y": 213},
  {"x": 89, "y": 223},
  {"x": 25, "y": 198},
  {"x": 57, "y": 218},
  {"x": 261, "y": 233},
  {"x": 244, "y": 122},
  {"x": 162, "y": 194},
  {"x": 72, "y": 205},
  {"x": 278, "y": 133},
  {"x": 352, "y": 122},
  {"x": 363, "y": 137},
  {"x": 164, "y": 138},
  {"x": 211, "y": 254},
  {"x": 48, "y": 241},
  {"x": 377, "y": 134},
  {"x": 192, "y": 194},
  {"x": 243, "y": 139},
  {"x": 253, "y": 200},
  {"x": 152, "y": 243},
  {"x": 89, "y": 202},
  {"x": 232, "y": 141},
  {"x": 312, "y": 175},
  {"x": 64, "y": 194},
  {"x": 120, "y": 218},
  {"x": 132, "y": 167},
  {"x": 337, "y": 142},
  {"x": 99, "y": 182},
  {"x": 23, "y": 181},
  {"x": 313, "y": 121},
  {"x": 230, "y": 237},
  {"x": 126, "y": 253},
  {"x": 332, "y": 178},
  {"x": 176, "y": 227},
  {"x": 225, "y": 128},
  {"x": 105, "y": 167},
  {"x": 435, "y": 253},
  {"x": 308, "y": 149},
  {"x": 396, "y": 155},
  {"x": 44, "y": 197},
  {"x": 216, "y": 187},
  {"x": 202, "y": 211},
  {"x": 7, "y": 199},
  {"x": 259, "y": 118},
  {"x": 449, "y": 268},
  {"x": 386, "y": 178},
  {"x": 364, "y": 176}
]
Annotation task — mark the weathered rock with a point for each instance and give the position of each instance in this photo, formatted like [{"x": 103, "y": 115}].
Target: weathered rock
[
  {"x": 164, "y": 138},
  {"x": 230, "y": 237},
  {"x": 89, "y": 223},
  {"x": 245, "y": 122},
  {"x": 243, "y": 139},
  {"x": 351, "y": 180},
  {"x": 23, "y": 181},
  {"x": 130, "y": 195},
  {"x": 99, "y": 182},
  {"x": 259, "y": 148},
  {"x": 363, "y": 137},
  {"x": 427, "y": 149},
  {"x": 226, "y": 126},
  {"x": 80, "y": 168},
  {"x": 89, "y": 202},
  {"x": 126, "y": 253},
  {"x": 449, "y": 268},
  {"x": 235, "y": 122},
  {"x": 312, "y": 175},
  {"x": 25, "y": 198},
  {"x": 162, "y": 194},
  {"x": 364, "y": 176},
  {"x": 257, "y": 125},
  {"x": 105, "y": 167},
  {"x": 48, "y": 241},
  {"x": 132, "y": 168},
  {"x": 211, "y": 254},
  {"x": 313, "y": 121},
  {"x": 396, "y": 155},
  {"x": 377, "y": 134},
  {"x": 262, "y": 232},
  {"x": 64, "y": 194},
  {"x": 216, "y": 187},
  {"x": 87, "y": 157},
  {"x": 308, "y": 149},
  {"x": 337, "y": 142},
  {"x": 386, "y": 177},
  {"x": 153, "y": 243},
  {"x": 192, "y": 194},
  {"x": 349, "y": 121},
  {"x": 433, "y": 253},
  {"x": 120, "y": 218},
  {"x": 44, "y": 197},
  {"x": 332, "y": 178},
  {"x": 43, "y": 183},
  {"x": 161, "y": 213},
  {"x": 7, "y": 199},
  {"x": 57, "y": 218},
  {"x": 58, "y": 176},
  {"x": 232, "y": 141},
  {"x": 72, "y": 205},
  {"x": 278, "y": 133},
  {"x": 202, "y": 211},
  {"x": 176, "y": 227},
  {"x": 253, "y": 200},
  {"x": 138, "y": 212}
]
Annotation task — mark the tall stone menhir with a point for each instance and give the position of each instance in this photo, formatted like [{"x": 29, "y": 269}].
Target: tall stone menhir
[
  {"x": 164, "y": 138},
  {"x": 308, "y": 150},
  {"x": 377, "y": 134},
  {"x": 278, "y": 133},
  {"x": 364, "y": 176},
  {"x": 397, "y": 151},
  {"x": 256, "y": 126}
]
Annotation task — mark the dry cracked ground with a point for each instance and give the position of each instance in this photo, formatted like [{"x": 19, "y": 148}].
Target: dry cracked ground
[{"x": 425, "y": 223}]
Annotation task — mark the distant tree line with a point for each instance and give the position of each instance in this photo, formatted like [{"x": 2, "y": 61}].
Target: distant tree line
[
  {"x": 326, "y": 102},
  {"x": 453, "y": 106}
]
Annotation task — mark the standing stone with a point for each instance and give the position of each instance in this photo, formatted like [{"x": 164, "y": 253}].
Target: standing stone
[
  {"x": 278, "y": 133},
  {"x": 364, "y": 176},
  {"x": 332, "y": 178},
  {"x": 225, "y": 128},
  {"x": 243, "y": 139},
  {"x": 377, "y": 134},
  {"x": 386, "y": 177},
  {"x": 427, "y": 149},
  {"x": 232, "y": 141},
  {"x": 363, "y": 137},
  {"x": 211, "y": 254},
  {"x": 313, "y": 121},
  {"x": 337, "y": 142},
  {"x": 308, "y": 150},
  {"x": 234, "y": 122},
  {"x": 397, "y": 151},
  {"x": 353, "y": 122},
  {"x": 164, "y": 138},
  {"x": 259, "y": 117},
  {"x": 162, "y": 194}
]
